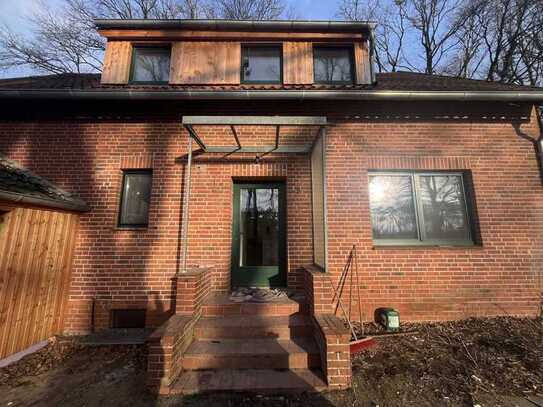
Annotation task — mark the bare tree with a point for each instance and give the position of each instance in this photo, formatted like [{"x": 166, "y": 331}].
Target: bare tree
[
  {"x": 391, "y": 32},
  {"x": 64, "y": 39},
  {"x": 247, "y": 9}
]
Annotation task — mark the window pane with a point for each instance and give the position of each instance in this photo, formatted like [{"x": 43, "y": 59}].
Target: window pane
[
  {"x": 443, "y": 207},
  {"x": 259, "y": 227},
  {"x": 262, "y": 64},
  {"x": 392, "y": 207},
  {"x": 333, "y": 64},
  {"x": 136, "y": 198},
  {"x": 151, "y": 65}
]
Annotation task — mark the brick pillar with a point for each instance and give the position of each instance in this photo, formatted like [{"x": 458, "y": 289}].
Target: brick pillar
[
  {"x": 192, "y": 289},
  {"x": 330, "y": 332},
  {"x": 318, "y": 291}
]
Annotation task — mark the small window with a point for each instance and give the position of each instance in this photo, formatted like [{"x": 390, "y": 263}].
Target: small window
[
  {"x": 135, "y": 199},
  {"x": 333, "y": 64},
  {"x": 128, "y": 318},
  {"x": 151, "y": 65},
  {"x": 261, "y": 64},
  {"x": 419, "y": 208}
]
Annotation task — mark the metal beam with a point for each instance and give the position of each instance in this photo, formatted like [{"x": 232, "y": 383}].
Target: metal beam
[
  {"x": 236, "y": 136},
  {"x": 255, "y": 120},
  {"x": 194, "y": 135},
  {"x": 260, "y": 149}
]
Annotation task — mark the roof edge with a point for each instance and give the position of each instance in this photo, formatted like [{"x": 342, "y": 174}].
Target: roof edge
[
  {"x": 49, "y": 203},
  {"x": 462, "y": 96},
  {"x": 239, "y": 25}
]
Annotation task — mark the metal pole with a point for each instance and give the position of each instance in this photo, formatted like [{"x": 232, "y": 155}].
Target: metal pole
[{"x": 186, "y": 207}]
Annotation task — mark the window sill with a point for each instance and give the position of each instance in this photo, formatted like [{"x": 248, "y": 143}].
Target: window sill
[
  {"x": 130, "y": 228},
  {"x": 427, "y": 246}
]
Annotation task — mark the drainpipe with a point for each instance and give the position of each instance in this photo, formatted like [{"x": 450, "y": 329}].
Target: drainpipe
[{"x": 185, "y": 215}]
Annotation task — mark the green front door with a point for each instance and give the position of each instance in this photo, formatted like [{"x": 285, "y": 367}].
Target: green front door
[{"x": 258, "y": 235}]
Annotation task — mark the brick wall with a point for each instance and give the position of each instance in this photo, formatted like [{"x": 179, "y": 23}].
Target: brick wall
[
  {"x": 117, "y": 267},
  {"x": 501, "y": 276}
]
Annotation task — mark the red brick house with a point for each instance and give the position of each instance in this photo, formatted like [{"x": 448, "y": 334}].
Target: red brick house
[{"x": 220, "y": 154}]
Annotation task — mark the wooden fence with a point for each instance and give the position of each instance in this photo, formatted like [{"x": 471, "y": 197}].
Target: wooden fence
[{"x": 36, "y": 248}]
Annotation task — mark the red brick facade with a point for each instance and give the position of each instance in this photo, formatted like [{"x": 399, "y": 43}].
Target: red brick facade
[{"x": 119, "y": 268}]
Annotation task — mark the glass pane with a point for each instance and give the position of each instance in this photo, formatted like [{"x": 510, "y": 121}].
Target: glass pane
[
  {"x": 262, "y": 64},
  {"x": 444, "y": 207},
  {"x": 392, "y": 207},
  {"x": 333, "y": 64},
  {"x": 136, "y": 197},
  {"x": 259, "y": 227},
  {"x": 151, "y": 65}
]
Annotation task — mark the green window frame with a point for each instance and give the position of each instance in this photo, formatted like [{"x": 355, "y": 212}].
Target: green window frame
[
  {"x": 317, "y": 49},
  {"x": 137, "y": 51},
  {"x": 246, "y": 51},
  {"x": 123, "y": 217},
  {"x": 421, "y": 220}
]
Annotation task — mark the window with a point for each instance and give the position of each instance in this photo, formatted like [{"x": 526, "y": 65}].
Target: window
[
  {"x": 419, "y": 208},
  {"x": 261, "y": 64},
  {"x": 135, "y": 199},
  {"x": 333, "y": 64},
  {"x": 151, "y": 65}
]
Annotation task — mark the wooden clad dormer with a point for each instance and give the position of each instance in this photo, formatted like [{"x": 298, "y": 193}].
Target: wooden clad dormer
[{"x": 201, "y": 52}]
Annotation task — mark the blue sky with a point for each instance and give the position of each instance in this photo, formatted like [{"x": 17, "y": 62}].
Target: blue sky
[{"x": 13, "y": 11}]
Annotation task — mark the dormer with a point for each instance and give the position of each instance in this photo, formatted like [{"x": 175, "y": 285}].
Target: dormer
[{"x": 223, "y": 52}]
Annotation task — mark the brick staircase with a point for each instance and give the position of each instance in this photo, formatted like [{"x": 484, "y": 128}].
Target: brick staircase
[{"x": 249, "y": 346}]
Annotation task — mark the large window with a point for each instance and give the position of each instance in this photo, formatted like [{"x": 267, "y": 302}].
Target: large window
[
  {"x": 419, "y": 208},
  {"x": 135, "y": 199},
  {"x": 151, "y": 65},
  {"x": 261, "y": 64},
  {"x": 333, "y": 64}
]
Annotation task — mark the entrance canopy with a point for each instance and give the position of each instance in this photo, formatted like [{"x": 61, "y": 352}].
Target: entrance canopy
[{"x": 237, "y": 146}]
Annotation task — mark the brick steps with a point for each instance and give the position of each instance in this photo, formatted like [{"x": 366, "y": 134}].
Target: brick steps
[
  {"x": 219, "y": 305},
  {"x": 249, "y": 380},
  {"x": 257, "y": 327},
  {"x": 300, "y": 353}
]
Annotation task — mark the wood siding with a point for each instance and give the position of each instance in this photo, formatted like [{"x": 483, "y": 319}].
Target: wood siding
[
  {"x": 297, "y": 63},
  {"x": 206, "y": 63},
  {"x": 36, "y": 248},
  {"x": 362, "y": 62},
  {"x": 117, "y": 61}
]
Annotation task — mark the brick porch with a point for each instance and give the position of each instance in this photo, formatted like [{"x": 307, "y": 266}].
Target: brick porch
[{"x": 221, "y": 345}]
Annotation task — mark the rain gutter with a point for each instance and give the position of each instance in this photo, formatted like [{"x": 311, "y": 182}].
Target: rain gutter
[
  {"x": 30, "y": 200},
  {"x": 299, "y": 95},
  {"x": 238, "y": 25}
]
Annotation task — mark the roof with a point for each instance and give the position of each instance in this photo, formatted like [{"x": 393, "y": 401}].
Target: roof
[
  {"x": 17, "y": 184},
  {"x": 239, "y": 25},
  {"x": 394, "y": 85}
]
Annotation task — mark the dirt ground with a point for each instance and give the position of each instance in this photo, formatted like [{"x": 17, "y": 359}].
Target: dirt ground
[{"x": 473, "y": 362}]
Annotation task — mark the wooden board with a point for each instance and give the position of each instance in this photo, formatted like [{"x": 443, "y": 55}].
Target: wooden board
[
  {"x": 117, "y": 61},
  {"x": 206, "y": 63},
  {"x": 297, "y": 63},
  {"x": 362, "y": 62},
  {"x": 171, "y": 35},
  {"x": 36, "y": 249}
]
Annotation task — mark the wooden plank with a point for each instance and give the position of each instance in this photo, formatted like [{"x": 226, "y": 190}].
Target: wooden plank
[
  {"x": 35, "y": 265},
  {"x": 68, "y": 258},
  {"x": 42, "y": 228},
  {"x": 117, "y": 61},
  {"x": 297, "y": 63},
  {"x": 362, "y": 63},
  {"x": 206, "y": 63},
  {"x": 172, "y": 35}
]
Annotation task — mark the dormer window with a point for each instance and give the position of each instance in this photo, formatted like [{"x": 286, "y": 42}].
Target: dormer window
[
  {"x": 333, "y": 65},
  {"x": 151, "y": 65},
  {"x": 261, "y": 64}
]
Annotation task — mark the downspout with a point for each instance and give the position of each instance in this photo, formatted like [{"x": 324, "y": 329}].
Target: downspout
[
  {"x": 186, "y": 199},
  {"x": 539, "y": 143}
]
